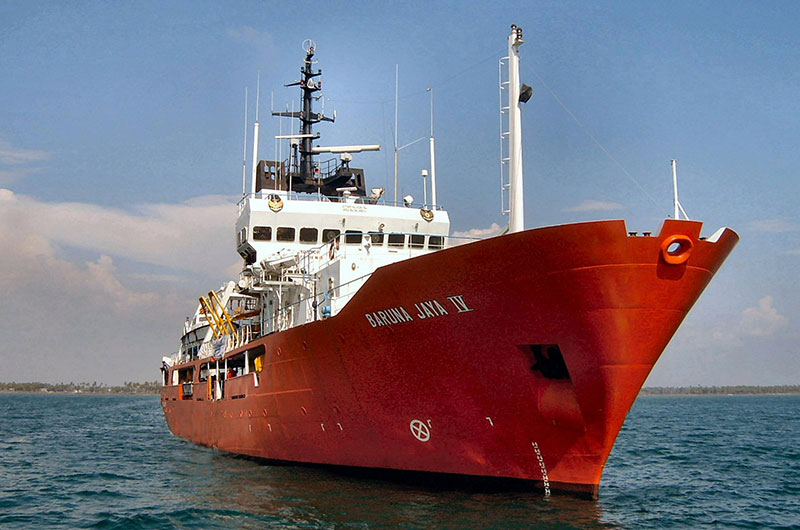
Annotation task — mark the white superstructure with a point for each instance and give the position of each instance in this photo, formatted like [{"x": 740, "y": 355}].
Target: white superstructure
[
  {"x": 308, "y": 254},
  {"x": 310, "y": 236}
]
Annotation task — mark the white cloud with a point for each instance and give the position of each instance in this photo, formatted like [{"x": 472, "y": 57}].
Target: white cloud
[
  {"x": 85, "y": 315},
  {"x": 196, "y": 235},
  {"x": 590, "y": 205},
  {"x": 17, "y": 162},
  {"x": 166, "y": 278},
  {"x": 11, "y": 155},
  {"x": 720, "y": 345},
  {"x": 102, "y": 275},
  {"x": 189, "y": 238},
  {"x": 724, "y": 339},
  {"x": 764, "y": 320},
  {"x": 459, "y": 238},
  {"x": 29, "y": 263},
  {"x": 777, "y": 225}
]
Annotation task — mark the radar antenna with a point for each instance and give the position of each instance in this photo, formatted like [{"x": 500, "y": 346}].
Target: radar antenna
[
  {"x": 306, "y": 116},
  {"x": 304, "y": 174}
]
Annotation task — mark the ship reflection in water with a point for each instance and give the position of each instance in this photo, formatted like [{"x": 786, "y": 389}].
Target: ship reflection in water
[{"x": 257, "y": 494}]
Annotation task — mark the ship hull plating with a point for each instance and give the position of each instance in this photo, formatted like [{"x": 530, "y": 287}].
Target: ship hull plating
[{"x": 513, "y": 357}]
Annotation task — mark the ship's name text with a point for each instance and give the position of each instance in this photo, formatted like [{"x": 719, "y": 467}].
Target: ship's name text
[{"x": 422, "y": 310}]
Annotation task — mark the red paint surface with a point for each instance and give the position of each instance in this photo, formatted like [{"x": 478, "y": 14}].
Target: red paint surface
[{"x": 610, "y": 301}]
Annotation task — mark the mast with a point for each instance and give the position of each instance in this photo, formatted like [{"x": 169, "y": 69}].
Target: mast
[
  {"x": 433, "y": 156},
  {"x": 244, "y": 155},
  {"x": 676, "y": 203},
  {"x": 255, "y": 137},
  {"x": 309, "y": 87},
  {"x": 516, "y": 221},
  {"x": 396, "y": 149},
  {"x": 306, "y": 115}
]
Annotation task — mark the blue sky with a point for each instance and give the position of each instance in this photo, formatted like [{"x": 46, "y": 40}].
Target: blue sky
[{"x": 121, "y": 130}]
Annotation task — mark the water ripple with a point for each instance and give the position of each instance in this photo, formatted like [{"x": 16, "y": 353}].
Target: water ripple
[{"x": 110, "y": 462}]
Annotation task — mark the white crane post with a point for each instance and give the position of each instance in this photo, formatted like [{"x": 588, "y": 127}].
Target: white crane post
[
  {"x": 255, "y": 159},
  {"x": 433, "y": 172},
  {"x": 433, "y": 157},
  {"x": 516, "y": 219}
]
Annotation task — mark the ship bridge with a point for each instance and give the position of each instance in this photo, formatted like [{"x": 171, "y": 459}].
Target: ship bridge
[
  {"x": 281, "y": 221},
  {"x": 306, "y": 255}
]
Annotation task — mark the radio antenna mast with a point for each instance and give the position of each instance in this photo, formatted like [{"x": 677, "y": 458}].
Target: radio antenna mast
[
  {"x": 255, "y": 136},
  {"x": 396, "y": 149},
  {"x": 244, "y": 154}
]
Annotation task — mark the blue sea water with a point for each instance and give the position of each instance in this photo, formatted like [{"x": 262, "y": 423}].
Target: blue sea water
[{"x": 85, "y": 461}]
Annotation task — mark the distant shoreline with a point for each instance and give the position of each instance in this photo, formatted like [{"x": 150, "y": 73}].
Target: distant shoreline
[
  {"x": 737, "y": 390},
  {"x": 128, "y": 388},
  {"x": 65, "y": 393},
  {"x": 154, "y": 388}
]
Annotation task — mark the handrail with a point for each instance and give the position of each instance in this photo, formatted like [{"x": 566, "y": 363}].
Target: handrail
[
  {"x": 315, "y": 197},
  {"x": 244, "y": 333},
  {"x": 340, "y": 237},
  {"x": 300, "y": 301},
  {"x": 310, "y": 250}
]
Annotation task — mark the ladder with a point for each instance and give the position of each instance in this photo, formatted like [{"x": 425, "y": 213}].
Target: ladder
[{"x": 505, "y": 133}]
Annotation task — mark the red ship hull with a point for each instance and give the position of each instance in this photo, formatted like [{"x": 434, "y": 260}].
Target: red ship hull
[{"x": 443, "y": 363}]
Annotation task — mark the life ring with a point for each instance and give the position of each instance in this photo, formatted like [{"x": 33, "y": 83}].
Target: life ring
[
  {"x": 679, "y": 255},
  {"x": 333, "y": 249}
]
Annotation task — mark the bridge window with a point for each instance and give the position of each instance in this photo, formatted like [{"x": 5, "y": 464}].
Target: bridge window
[
  {"x": 436, "y": 242},
  {"x": 329, "y": 234},
  {"x": 285, "y": 233},
  {"x": 417, "y": 241},
  {"x": 397, "y": 240},
  {"x": 308, "y": 235},
  {"x": 352, "y": 237},
  {"x": 261, "y": 233},
  {"x": 377, "y": 238}
]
